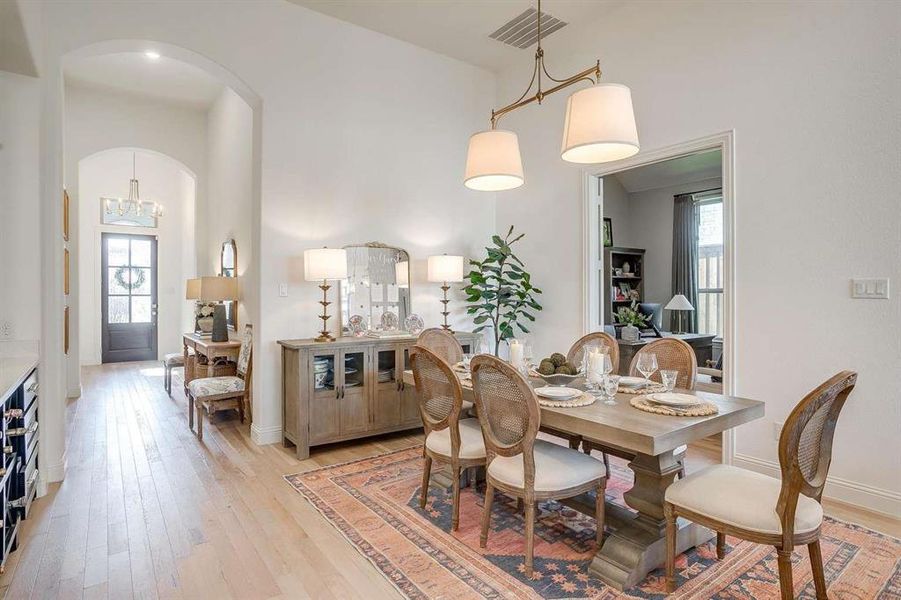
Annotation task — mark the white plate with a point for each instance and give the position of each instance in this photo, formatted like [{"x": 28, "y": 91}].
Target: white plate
[
  {"x": 557, "y": 393},
  {"x": 673, "y": 399},
  {"x": 626, "y": 381}
]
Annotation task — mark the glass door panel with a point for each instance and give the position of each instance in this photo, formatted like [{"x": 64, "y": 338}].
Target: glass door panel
[
  {"x": 325, "y": 400},
  {"x": 129, "y": 324}
]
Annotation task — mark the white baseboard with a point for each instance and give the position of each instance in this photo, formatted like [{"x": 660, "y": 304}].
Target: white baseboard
[
  {"x": 74, "y": 393},
  {"x": 55, "y": 472},
  {"x": 262, "y": 436},
  {"x": 837, "y": 488}
]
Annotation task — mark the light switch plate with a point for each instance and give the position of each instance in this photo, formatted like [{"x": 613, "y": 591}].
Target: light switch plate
[
  {"x": 283, "y": 290},
  {"x": 870, "y": 288}
]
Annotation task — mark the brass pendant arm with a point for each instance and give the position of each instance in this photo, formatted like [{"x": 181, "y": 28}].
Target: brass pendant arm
[{"x": 592, "y": 74}]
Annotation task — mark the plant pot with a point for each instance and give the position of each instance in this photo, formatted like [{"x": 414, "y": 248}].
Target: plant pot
[
  {"x": 630, "y": 333},
  {"x": 205, "y": 324}
]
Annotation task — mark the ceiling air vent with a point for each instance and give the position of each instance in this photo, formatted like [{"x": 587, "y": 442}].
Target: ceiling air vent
[{"x": 522, "y": 30}]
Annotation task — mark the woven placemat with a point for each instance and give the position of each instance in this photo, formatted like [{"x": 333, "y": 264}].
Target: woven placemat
[
  {"x": 649, "y": 389},
  {"x": 583, "y": 400},
  {"x": 703, "y": 409}
]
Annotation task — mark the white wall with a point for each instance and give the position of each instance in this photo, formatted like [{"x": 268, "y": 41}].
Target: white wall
[
  {"x": 98, "y": 120},
  {"x": 162, "y": 180},
  {"x": 618, "y": 209},
  {"x": 20, "y": 273},
  {"x": 811, "y": 91},
  {"x": 226, "y": 212},
  {"x": 361, "y": 137}
]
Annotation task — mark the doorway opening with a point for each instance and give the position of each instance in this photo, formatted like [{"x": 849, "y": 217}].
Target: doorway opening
[
  {"x": 658, "y": 231},
  {"x": 128, "y": 297}
]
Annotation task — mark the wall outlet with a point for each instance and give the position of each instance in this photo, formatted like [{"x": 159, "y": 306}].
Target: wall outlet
[
  {"x": 283, "y": 290},
  {"x": 7, "y": 331},
  {"x": 777, "y": 430}
]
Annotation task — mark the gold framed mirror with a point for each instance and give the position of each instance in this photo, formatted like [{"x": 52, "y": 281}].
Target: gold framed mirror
[
  {"x": 228, "y": 267},
  {"x": 378, "y": 282}
]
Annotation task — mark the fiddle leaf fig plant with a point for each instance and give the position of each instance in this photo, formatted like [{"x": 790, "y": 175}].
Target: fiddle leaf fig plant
[{"x": 500, "y": 291}]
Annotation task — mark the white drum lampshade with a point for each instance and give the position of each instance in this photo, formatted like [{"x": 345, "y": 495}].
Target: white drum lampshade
[
  {"x": 600, "y": 125},
  {"x": 445, "y": 268},
  {"x": 402, "y": 274},
  {"x": 493, "y": 162},
  {"x": 192, "y": 289},
  {"x": 320, "y": 264}
]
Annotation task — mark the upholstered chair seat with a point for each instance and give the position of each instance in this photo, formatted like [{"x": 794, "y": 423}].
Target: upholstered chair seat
[
  {"x": 741, "y": 498},
  {"x": 556, "y": 468},
  {"x": 176, "y": 359},
  {"x": 471, "y": 443},
  {"x": 215, "y": 386}
]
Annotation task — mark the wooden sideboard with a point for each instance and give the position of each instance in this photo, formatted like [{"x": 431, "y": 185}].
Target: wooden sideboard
[{"x": 347, "y": 389}]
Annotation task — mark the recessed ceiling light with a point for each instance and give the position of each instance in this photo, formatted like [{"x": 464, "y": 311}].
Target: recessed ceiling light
[{"x": 152, "y": 55}]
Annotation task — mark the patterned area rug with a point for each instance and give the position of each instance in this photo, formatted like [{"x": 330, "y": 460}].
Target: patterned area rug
[{"x": 374, "y": 503}]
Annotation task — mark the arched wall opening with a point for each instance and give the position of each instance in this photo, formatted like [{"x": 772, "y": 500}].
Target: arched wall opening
[{"x": 60, "y": 370}]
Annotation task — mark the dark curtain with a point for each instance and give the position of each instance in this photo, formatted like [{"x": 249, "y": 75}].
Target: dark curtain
[{"x": 685, "y": 259}]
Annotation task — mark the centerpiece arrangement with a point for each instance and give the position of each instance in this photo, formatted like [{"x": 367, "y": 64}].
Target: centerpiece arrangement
[
  {"x": 556, "y": 370},
  {"x": 500, "y": 291},
  {"x": 633, "y": 320}
]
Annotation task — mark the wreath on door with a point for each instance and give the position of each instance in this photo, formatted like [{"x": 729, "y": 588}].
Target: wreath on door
[{"x": 138, "y": 276}]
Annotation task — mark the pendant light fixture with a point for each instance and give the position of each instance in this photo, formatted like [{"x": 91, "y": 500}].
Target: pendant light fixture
[
  {"x": 133, "y": 206},
  {"x": 599, "y": 127}
]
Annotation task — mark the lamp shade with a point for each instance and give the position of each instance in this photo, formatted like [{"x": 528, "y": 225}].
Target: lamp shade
[
  {"x": 214, "y": 289},
  {"x": 445, "y": 268},
  {"x": 600, "y": 125},
  {"x": 679, "y": 302},
  {"x": 325, "y": 263},
  {"x": 493, "y": 162},
  {"x": 192, "y": 289},
  {"x": 402, "y": 274}
]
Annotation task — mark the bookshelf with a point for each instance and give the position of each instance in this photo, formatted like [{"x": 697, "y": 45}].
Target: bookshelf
[{"x": 629, "y": 279}]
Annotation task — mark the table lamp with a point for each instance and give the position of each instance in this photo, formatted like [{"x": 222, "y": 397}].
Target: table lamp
[
  {"x": 217, "y": 289},
  {"x": 325, "y": 264},
  {"x": 680, "y": 304},
  {"x": 192, "y": 292},
  {"x": 445, "y": 269}
]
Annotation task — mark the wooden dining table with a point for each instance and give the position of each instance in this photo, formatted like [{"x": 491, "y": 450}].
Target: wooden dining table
[{"x": 635, "y": 544}]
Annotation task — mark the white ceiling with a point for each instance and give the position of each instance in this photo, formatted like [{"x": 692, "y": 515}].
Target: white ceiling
[
  {"x": 456, "y": 28},
  {"x": 132, "y": 72},
  {"x": 685, "y": 169}
]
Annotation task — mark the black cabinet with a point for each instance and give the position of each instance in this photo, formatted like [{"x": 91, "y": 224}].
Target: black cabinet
[{"x": 19, "y": 471}]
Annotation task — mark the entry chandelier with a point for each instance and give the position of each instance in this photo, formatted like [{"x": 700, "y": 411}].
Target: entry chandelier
[
  {"x": 599, "y": 127},
  {"x": 133, "y": 206}
]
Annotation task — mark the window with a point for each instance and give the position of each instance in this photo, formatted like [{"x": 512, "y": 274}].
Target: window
[{"x": 710, "y": 262}]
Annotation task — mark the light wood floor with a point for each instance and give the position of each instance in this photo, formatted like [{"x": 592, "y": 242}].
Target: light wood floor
[{"x": 148, "y": 511}]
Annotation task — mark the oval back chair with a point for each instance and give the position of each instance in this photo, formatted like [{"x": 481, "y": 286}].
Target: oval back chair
[
  {"x": 518, "y": 464},
  {"x": 600, "y": 338},
  {"x": 672, "y": 353},
  {"x": 447, "y": 438},
  {"x": 735, "y": 501},
  {"x": 443, "y": 343}
]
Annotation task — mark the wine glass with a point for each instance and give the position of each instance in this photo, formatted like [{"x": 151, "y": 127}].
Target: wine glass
[
  {"x": 611, "y": 385},
  {"x": 607, "y": 367},
  {"x": 647, "y": 366},
  {"x": 669, "y": 377}
]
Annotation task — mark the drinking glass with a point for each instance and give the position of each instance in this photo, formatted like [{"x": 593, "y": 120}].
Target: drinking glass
[
  {"x": 611, "y": 385},
  {"x": 608, "y": 364},
  {"x": 647, "y": 365},
  {"x": 669, "y": 377},
  {"x": 527, "y": 354}
]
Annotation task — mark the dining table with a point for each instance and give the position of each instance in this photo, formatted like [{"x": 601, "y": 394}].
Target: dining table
[{"x": 635, "y": 543}]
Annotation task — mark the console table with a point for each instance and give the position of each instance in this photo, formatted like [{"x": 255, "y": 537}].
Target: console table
[
  {"x": 347, "y": 389},
  {"x": 701, "y": 343},
  {"x": 209, "y": 351}
]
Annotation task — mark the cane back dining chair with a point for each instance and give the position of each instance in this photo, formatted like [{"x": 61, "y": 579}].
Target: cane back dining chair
[
  {"x": 763, "y": 509},
  {"x": 574, "y": 357},
  {"x": 676, "y": 355},
  {"x": 223, "y": 393},
  {"x": 443, "y": 343},
  {"x": 519, "y": 464},
  {"x": 448, "y": 438}
]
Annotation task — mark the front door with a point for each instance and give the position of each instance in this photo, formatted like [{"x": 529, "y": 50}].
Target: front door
[{"x": 128, "y": 266}]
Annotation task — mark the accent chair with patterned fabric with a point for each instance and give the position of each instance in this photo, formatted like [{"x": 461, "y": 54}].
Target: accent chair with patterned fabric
[
  {"x": 172, "y": 361},
  {"x": 223, "y": 393}
]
